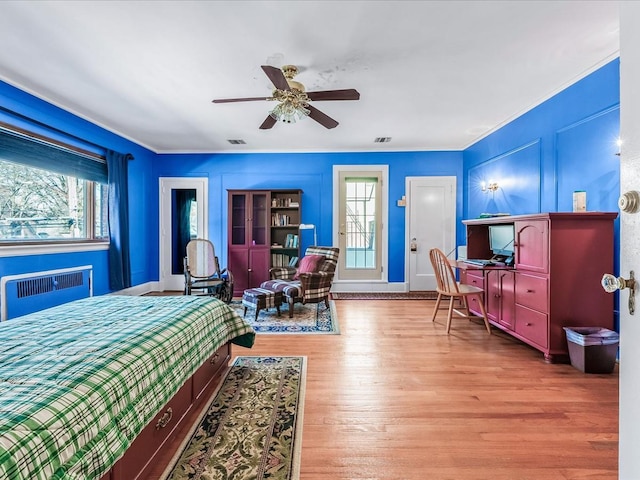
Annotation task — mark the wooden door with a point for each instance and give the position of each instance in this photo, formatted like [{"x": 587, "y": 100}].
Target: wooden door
[
  {"x": 248, "y": 232},
  {"x": 507, "y": 299},
  {"x": 532, "y": 245}
]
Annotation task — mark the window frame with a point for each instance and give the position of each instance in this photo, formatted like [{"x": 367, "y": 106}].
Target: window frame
[
  {"x": 12, "y": 137},
  {"x": 363, "y": 281}
]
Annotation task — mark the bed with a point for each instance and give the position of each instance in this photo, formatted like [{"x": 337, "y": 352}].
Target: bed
[{"x": 84, "y": 384}]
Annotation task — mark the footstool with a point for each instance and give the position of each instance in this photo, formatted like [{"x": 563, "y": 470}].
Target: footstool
[{"x": 260, "y": 298}]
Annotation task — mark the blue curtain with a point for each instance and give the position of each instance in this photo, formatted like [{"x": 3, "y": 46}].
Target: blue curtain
[{"x": 119, "y": 266}]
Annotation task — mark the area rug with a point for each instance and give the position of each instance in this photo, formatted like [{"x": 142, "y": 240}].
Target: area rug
[
  {"x": 307, "y": 318},
  {"x": 423, "y": 295},
  {"x": 252, "y": 429}
]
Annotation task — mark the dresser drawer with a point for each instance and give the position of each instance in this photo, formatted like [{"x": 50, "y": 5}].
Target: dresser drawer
[
  {"x": 157, "y": 431},
  {"x": 471, "y": 277},
  {"x": 532, "y": 291},
  {"x": 532, "y": 325},
  {"x": 210, "y": 370},
  {"x": 474, "y": 305}
]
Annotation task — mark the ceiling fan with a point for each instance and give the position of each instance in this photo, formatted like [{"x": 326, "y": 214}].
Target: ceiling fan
[{"x": 293, "y": 100}]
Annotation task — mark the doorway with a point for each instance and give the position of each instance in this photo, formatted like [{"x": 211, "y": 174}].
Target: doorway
[
  {"x": 360, "y": 209},
  {"x": 183, "y": 215},
  {"x": 431, "y": 222}
]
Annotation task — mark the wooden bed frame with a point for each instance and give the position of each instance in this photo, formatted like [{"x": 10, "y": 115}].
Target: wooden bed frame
[{"x": 159, "y": 440}]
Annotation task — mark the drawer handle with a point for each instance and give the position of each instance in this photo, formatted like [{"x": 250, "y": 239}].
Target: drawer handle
[
  {"x": 214, "y": 359},
  {"x": 164, "y": 419},
  {"x": 529, "y": 290},
  {"x": 528, "y": 324}
]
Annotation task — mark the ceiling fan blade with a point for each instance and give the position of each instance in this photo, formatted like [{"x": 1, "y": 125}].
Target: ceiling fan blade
[
  {"x": 321, "y": 118},
  {"x": 268, "y": 123},
  {"x": 277, "y": 77},
  {"x": 348, "y": 94},
  {"x": 248, "y": 99}
]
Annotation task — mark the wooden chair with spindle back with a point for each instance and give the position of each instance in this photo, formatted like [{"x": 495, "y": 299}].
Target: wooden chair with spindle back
[{"x": 448, "y": 286}]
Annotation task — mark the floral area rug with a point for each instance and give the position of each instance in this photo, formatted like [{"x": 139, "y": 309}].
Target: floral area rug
[
  {"x": 253, "y": 426},
  {"x": 308, "y": 318}
]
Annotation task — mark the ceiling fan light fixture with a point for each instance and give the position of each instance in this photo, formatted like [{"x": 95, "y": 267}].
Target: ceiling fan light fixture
[
  {"x": 293, "y": 100},
  {"x": 292, "y": 106},
  {"x": 287, "y": 112}
]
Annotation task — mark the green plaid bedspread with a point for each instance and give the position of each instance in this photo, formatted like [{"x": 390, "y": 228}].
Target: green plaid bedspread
[{"x": 80, "y": 381}]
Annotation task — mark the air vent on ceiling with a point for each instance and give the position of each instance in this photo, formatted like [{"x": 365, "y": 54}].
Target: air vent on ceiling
[
  {"x": 382, "y": 139},
  {"x": 237, "y": 142}
]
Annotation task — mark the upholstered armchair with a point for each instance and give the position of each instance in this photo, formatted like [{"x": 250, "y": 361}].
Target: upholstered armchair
[{"x": 310, "y": 282}]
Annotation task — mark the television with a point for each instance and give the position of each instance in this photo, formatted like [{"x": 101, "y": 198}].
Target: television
[{"x": 501, "y": 240}]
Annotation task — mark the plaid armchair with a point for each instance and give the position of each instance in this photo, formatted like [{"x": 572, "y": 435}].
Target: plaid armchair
[{"x": 310, "y": 287}]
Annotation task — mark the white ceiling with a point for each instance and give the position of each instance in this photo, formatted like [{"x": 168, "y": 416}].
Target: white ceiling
[{"x": 432, "y": 75}]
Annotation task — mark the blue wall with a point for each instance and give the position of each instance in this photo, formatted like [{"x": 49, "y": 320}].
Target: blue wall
[
  {"x": 565, "y": 144},
  {"x": 313, "y": 173},
  {"x": 142, "y": 187}
]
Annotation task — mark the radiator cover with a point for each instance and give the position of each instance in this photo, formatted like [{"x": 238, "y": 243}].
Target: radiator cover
[{"x": 31, "y": 292}]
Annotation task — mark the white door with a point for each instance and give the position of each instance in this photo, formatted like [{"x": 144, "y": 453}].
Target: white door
[
  {"x": 431, "y": 222},
  {"x": 629, "y": 465},
  {"x": 183, "y": 215}
]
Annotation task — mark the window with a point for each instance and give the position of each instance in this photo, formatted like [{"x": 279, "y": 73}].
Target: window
[
  {"x": 49, "y": 193},
  {"x": 360, "y": 230}
]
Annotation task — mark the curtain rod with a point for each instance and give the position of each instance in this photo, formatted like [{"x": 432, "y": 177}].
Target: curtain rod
[{"x": 21, "y": 131}]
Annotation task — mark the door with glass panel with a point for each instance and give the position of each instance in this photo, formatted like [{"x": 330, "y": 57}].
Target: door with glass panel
[{"x": 360, "y": 225}]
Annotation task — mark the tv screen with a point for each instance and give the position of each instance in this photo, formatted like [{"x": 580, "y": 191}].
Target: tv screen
[{"x": 501, "y": 239}]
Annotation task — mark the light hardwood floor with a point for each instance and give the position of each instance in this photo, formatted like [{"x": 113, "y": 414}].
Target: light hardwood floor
[{"x": 393, "y": 397}]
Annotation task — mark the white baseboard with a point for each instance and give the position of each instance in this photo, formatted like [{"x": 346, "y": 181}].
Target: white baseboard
[
  {"x": 344, "y": 286},
  {"x": 138, "y": 290},
  {"x": 339, "y": 286}
]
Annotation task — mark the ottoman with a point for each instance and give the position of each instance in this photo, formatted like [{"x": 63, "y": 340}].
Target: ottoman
[{"x": 260, "y": 298}]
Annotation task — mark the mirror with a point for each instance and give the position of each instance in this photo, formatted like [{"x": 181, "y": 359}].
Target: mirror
[{"x": 184, "y": 225}]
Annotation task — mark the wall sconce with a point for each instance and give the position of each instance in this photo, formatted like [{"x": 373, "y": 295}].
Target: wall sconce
[
  {"x": 490, "y": 187},
  {"x": 619, "y": 144}
]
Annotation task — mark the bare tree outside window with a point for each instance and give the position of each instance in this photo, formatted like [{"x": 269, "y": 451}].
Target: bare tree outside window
[{"x": 38, "y": 204}]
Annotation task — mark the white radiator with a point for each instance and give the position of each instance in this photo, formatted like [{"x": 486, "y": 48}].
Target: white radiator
[{"x": 31, "y": 292}]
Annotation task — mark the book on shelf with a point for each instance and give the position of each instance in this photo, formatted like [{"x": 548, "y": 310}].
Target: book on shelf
[
  {"x": 284, "y": 203},
  {"x": 291, "y": 241},
  {"x": 279, "y": 220},
  {"x": 280, "y": 260},
  {"x": 293, "y": 261}
]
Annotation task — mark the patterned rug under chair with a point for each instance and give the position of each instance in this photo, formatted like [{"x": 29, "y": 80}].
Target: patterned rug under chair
[{"x": 308, "y": 318}]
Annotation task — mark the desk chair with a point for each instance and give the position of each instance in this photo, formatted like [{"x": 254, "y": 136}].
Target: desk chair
[{"x": 449, "y": 287}]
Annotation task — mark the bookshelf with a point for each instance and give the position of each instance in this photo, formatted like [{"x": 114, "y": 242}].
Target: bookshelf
[
  {"x": 285, "y": 221},
  {"x": 263, "y": 232}
]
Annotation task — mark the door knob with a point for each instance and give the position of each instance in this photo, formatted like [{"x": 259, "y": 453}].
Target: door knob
[
  {"x": 610, "y": 283},
  {"x": 629, "y": 202}
]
